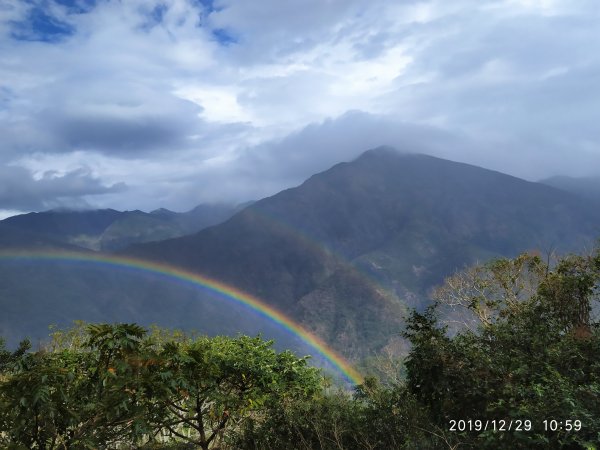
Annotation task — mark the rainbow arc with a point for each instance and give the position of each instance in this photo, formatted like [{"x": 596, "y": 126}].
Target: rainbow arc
[{"x": 195, "y": 279}]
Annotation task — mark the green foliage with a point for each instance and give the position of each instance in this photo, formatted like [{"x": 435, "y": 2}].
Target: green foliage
[
  {"x": 537, "y": 360},
  {"x": 533, "y": 357},
  {"x": 208, "y": 385},
  {"x": 77, "y": 397},
  {"x": 373, "y": 418},
  {"x": 113, "y": 385}
]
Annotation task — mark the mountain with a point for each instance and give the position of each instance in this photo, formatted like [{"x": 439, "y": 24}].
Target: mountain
[
  {"x": 14, "y": 238},
  {"x": 588, "y": 187},
  {"x": 344, "y": 254},
  {"x": 108, "y": 230},
  {"x": 349, "y": 249}
]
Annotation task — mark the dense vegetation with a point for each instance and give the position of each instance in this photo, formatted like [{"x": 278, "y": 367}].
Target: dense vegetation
[{"x": 524, "y": 355}]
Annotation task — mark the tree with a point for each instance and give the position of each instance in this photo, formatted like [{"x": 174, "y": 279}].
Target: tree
[
  {"x": 570, "y": 290},
  {"x": 374, "y": 417},
  {"x": 491, "y": 291},
  {"x": 114, "y": 385},
  {"x": 77, "y": 397},
  {"x": 536, "y": 359},
  {"x": 210, "y": 386}
]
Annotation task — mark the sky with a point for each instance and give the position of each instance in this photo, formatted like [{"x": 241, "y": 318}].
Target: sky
[{"x": 141, "y": 104}]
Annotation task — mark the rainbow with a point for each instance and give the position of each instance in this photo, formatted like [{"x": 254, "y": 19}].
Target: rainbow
[{"x": 195, "y": 279}]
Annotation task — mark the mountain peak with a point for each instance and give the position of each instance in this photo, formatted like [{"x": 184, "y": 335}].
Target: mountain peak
[
  {"x": 163, "y": 212},
  {"x": 379, "y": 152}
]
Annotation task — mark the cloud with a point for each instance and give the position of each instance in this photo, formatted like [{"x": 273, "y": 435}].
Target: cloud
[
  {"x": 271, "y": 166},
  {"x": 522, "y": 83},
  {"x": 122, "y": 121},
  {"x": 321, "y": 145},
  {"x": 132, "y": 120},
  {"x": 109, "y": 87},
  {"x": 20, "y": 190},
  {"x": 188, "y": 101}
]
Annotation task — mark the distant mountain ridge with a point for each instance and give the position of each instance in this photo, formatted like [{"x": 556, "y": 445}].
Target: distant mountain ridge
[
  {"x": 344, "y": 254},
  {"x": 109, "y": 230}
]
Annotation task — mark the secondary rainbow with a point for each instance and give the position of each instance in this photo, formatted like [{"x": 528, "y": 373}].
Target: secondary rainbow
[{"x": 193, "y": 278}]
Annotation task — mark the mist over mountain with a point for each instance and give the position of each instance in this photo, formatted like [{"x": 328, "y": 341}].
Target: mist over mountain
[
  {"x": 345, "y": 254},
  {"x": 588, "y": 187}
]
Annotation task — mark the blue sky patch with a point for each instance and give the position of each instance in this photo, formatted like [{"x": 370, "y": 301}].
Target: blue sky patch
[
  {"x": 158, "y": 13},
  {"x": 77, "y": 6},
  {"x": 224, "y": 37},
  {"x": 154, "y": 17},
  {"x": 208, "y": 5},
  {"x": 38, "y": 25}
]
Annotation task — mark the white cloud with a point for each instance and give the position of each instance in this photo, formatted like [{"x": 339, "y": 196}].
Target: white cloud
[
  {"x": 219, "y": 104},
  {"x": 185, "y": 103},
  {"x": 5, "y": 213}
]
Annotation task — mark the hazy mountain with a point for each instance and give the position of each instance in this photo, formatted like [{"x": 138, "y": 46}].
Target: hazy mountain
[
  {"x": 64, "y": 225},
  {"x": 588, "y": 187},
  {"x": 14, "y": 238},
  {"x": 108, "y": 230},
  {"x": 344, "y": 253},
  {"x": 347, "y": 250}
]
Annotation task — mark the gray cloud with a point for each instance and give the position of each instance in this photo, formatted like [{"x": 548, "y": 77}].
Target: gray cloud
[
  {"x": 521, "y": 82},
  {"x": 267, "y": 168},
  {"x": 19, "y": 190},
  {"x": 113, "y": 117},
  {"x": 136, "y": 130},
  {"x": 320, "y": 145},
  {"x": 145, "y": 92}
]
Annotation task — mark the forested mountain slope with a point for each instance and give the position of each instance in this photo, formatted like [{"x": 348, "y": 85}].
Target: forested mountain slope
[{"x": 346, "y": 251}]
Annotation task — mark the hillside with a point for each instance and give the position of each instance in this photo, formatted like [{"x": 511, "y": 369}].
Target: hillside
[
  {"x": 345, "y": 254},
  {"x": 346, "y": 251},
  {"x": 109, "y": 230}
]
